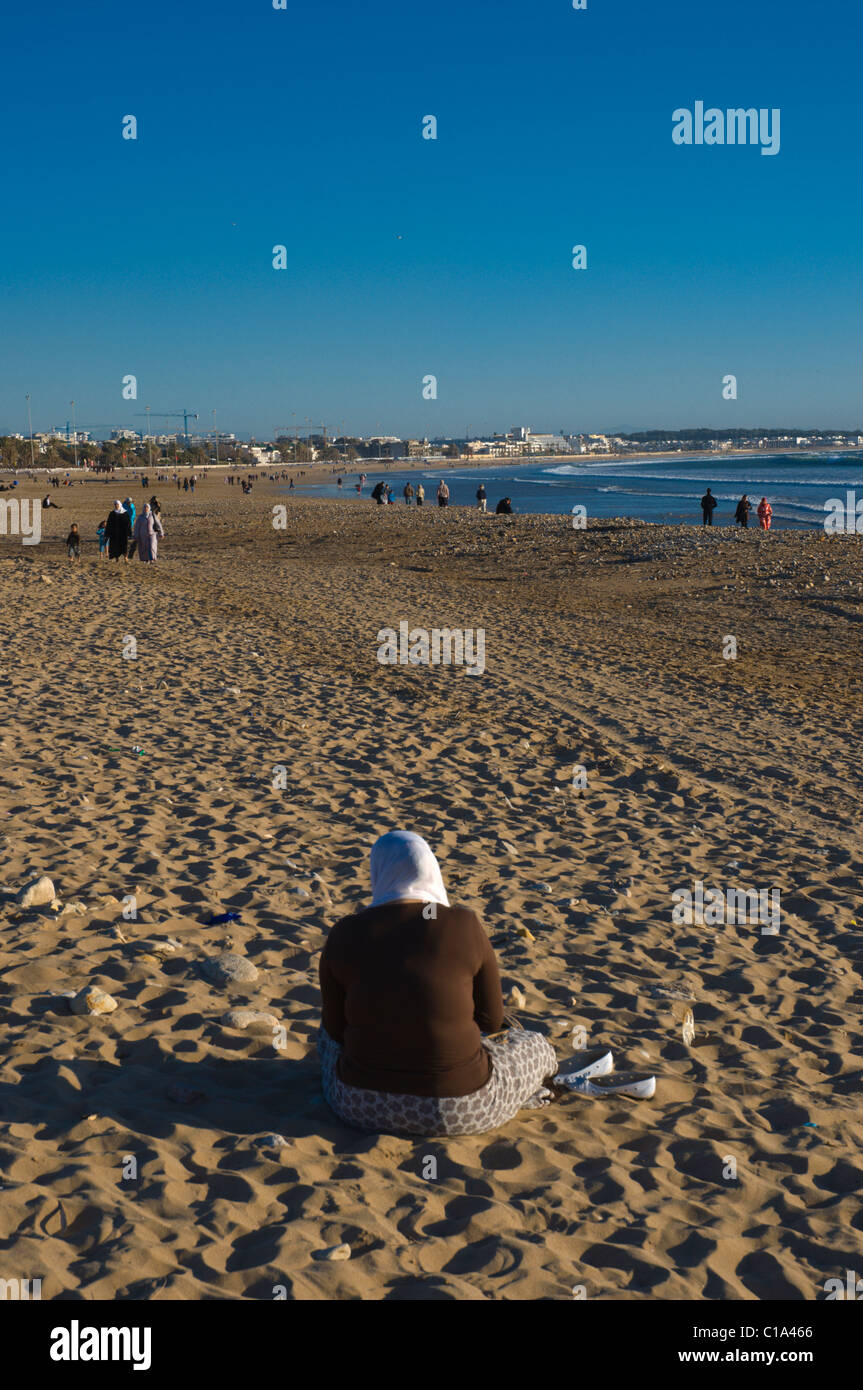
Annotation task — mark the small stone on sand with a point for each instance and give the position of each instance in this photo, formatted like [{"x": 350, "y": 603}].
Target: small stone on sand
[
  {"x": 92, "y": 1000},
  {"x": 229, "y": 968},
  {"x": 660, "y": 992},
  {"x": 257, "y": 1019},
  {"x": 336, "y": 1252},
  {"x": 36, "y": 892}
]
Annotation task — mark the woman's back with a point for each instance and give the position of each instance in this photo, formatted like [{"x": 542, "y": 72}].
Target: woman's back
[{"x": 408, "y": 995}]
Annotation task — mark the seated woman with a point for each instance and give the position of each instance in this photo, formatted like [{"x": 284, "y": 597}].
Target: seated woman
[{"x": 409, "y": 985}]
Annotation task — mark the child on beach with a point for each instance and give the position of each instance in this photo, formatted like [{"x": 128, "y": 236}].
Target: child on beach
[
  {"x": 103, "y": 541},
  {"x": 73, "y": 542}
]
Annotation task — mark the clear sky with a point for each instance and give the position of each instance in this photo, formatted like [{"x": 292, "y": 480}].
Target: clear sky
[{"x": 406, "y": 257}]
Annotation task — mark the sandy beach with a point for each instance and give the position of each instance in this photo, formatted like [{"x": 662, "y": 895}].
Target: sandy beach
[{"x": 139, "y": 1149}]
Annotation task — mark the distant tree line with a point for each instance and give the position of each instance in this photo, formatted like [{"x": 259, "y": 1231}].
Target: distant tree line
[
  {"x": 705, "y": 435},
  {"x": 119, "y": 453}
]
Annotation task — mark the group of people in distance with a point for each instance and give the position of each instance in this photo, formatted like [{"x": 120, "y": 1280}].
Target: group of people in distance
[
  {"x": 382, "y": 493},
  {"x": 123, "y": 533},
  {"x": 764, "y": 511}
]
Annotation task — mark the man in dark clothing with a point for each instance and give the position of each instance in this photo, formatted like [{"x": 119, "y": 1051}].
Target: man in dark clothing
[
  {"x": 741, "y": 516},
  {"x": 378, "y": 493},
  {"x": 708, "y": 506},
  {"x": 504, "y": 507}
]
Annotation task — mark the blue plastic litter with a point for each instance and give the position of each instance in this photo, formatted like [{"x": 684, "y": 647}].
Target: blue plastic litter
[{"x": 223, "y": 917}]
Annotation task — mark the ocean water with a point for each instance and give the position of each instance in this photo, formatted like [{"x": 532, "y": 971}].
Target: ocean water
[{"x": 666, "y": 488}]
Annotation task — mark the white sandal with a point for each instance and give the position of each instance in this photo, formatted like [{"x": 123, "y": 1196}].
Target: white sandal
[
  {"x": 637, "y": 1085},
  {"x": 598, "y": 1061}
]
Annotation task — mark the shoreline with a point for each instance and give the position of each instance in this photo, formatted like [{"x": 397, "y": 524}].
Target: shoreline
[{"x": 353, "y": 468}]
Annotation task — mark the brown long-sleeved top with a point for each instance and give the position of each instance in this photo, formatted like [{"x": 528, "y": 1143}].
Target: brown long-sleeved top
[{"x": 407, "y": 999}]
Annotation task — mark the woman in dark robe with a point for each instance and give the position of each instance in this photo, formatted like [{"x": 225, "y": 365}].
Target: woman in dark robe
[{"x": 118, "y": 530}]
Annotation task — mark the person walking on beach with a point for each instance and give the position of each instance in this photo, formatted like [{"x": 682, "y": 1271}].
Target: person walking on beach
[
  {"x": 118, "y": 529},
  {"x": 741, "y": 516},
  {"x": 481, "y": 499},
  {"x": 73, "y": 542},
  {"x": 378, "y": 494},
  {"x": 765, "y": 514},
  {"x": 442, "y": 494},
  {"x": 410, "y": 993},
  {"x": 421, "y": 494},
  {"x": 409, "y": 492},
  {"x": 103, "y": 541},
  {"x": 708, "y": 507},
  {"x": 131, "y": 512},
  {"x": 148, "y": 529}
]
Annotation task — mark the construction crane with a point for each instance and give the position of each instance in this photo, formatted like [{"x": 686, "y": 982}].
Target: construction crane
[
  {"x": 186, "y": 416},
  {"x": 284, "y": 432}
]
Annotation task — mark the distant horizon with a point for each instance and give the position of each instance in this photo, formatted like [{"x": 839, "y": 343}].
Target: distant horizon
[{"x": 657, "y": 433}]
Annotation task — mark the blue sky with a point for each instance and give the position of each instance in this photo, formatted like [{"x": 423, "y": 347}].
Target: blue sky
[{"x": 409, "y": 257}]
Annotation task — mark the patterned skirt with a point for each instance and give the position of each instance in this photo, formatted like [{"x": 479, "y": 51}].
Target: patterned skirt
[{"x": 520, "y": 1063}]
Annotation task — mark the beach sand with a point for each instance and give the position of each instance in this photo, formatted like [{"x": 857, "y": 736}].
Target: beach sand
[{"x": 132, "y": 1162}]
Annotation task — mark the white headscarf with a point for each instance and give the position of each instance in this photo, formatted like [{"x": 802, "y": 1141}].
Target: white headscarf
[
  {"x": 404, "y": 868},
  {"x": 118, "y": 506}
]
